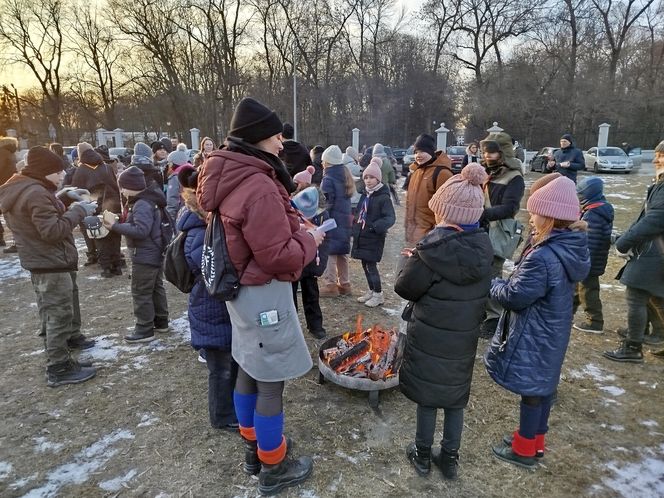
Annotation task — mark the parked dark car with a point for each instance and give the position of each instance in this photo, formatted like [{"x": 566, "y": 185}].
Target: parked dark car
[
  {"x": 398, "y": 155},
  {"x": 456, "y": 153},
  {"x": 539, "y": 160}
]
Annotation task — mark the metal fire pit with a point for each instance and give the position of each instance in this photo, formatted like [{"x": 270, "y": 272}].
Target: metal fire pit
[{"x": 325, "y": 372}]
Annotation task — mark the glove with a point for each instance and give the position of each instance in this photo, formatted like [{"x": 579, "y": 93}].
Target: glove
[
  {"x": 73, "y": 194},
  {"x": 89, "y": 207}
]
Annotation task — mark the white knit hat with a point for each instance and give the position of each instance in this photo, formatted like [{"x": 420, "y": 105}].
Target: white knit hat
[{"x": 332, "y": 155}]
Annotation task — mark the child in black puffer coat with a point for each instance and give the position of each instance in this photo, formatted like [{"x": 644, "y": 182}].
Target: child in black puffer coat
[
  {"x": 374, "y": 217},
  {"x": 598, "y": 213},
  {"x": 306, "y": 203}
]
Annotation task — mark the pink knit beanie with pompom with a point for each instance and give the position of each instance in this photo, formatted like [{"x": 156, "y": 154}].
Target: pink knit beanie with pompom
[
  {"x": 460, "y": 200},
  {"x": 557, "y": 200},
  {"x": 373, "y": 169},
  {"x": 304, "y": 177}
]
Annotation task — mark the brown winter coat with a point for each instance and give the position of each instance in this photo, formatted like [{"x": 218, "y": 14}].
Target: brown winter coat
[
  {"x": 41, "y": 226},
  {"x": 263, "y": 231},
  {"x": 8, "y": 147},
  {"x": 419, "y": 219}
]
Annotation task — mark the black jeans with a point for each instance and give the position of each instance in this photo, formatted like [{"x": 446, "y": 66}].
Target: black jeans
[
  {"x": 222, "y": 374},
  {"x": 373, "y": 277},
  {"x": 149, "y": 297},
  {"x": 637, "y": 312},
  {"x": 310, "y": 302},
  {"x": 452, "y": 427},
  {"x": 108, "y": 249}
]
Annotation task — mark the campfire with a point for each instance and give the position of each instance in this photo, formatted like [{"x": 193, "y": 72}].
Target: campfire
[{"x": 365, "y": 353}]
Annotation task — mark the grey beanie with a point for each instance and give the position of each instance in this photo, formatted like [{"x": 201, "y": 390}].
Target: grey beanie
[{"x": 142, "y": 154}]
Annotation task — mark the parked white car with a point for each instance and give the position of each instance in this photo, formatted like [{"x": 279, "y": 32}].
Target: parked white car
[{"x": 607, "y": 159}]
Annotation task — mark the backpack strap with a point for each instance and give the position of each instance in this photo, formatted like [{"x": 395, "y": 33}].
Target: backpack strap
[
  {"x": 436, "y": 173},
  {"x": 593, "y": 205}
]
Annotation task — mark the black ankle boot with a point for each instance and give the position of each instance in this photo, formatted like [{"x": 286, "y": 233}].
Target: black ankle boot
[
  {"x": 447, "y": 461},
  {"x": 420, "y": 458},
  {"x": 252, "y": 465},
  {"x": 289, "y": 472},
  {"x": 628, "y": 351}
]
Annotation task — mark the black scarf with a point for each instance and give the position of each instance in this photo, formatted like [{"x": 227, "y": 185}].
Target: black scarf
[{"x": 238, "y": 145}]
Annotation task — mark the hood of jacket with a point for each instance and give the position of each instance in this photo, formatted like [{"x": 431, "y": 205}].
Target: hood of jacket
[
  {"x": 571, "y": 248},
  {"x": 151, "y": 195},
  {"x": 14, "y": 188},
  {"x": 454, "y": 254},
  {"x": 291, "y": 146},
  {"x": 224, "y": 172},
  {"x": 9, "y": 143},
  {"x": 188, "y": 220},
  {"x": 591, "y": 190}
]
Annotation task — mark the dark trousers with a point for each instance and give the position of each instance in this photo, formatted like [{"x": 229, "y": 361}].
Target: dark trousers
[
  {"x": 269, "y": 400},
  {"x": 108, "y": 249},
  {"x": 222, "y": 374},
  {"x": 310, "y": 302},
  {"x": 534, "y": 415},
  {"x": 638, "y": 301},
  {"x": 452, "y": 427},
  {"x": 587, "y": 296},
  {"x": 373, "y": 276},
  {"x": 89, "y": 243},
  {"x": 59, "y": 312},
  {"x": 149, "y": 297}
]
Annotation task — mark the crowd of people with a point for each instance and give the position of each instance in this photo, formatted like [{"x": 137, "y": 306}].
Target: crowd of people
[{"x": 273, "y": 197}]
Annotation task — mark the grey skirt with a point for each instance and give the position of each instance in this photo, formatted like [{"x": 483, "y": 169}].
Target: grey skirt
[{"x": 274, "y": 352}]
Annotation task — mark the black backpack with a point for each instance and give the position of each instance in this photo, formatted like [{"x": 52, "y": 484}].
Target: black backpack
[
  {"x": 221, "y": 279},
  {"x": 176, "y": 269},
  {"x": 166, "y": 227}
]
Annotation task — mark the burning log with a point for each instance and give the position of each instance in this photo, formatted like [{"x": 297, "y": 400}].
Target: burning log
[
  {"x": 386, "y": 361},
  {"x": 357, "y": 349}
]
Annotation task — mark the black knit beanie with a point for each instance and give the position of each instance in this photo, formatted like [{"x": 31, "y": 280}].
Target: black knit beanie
[
  {"x": 91, "y": 157},
  {"x": 253, "y": 122},
  {"x": 132, "y": 179},
  {"x": 188, "y": 177},
  {"x": 425, "y": 143},
  {"x": 41, "y": 162}
]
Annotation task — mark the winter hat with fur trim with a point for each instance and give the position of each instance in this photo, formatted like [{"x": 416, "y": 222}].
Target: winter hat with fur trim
[
  {"x": 132, "y": 179},
  {"x": 188, "y": 177},
  {"x": 460, "y": 200},
  {"x": 557, "y": 200},
  {"x": 373, "y": 169},
  {"x": 304, "y": 177},
  {"x": 306, "y": 202},
  {"x": 179, "y": 156},
  {"x": 332, "y": 155}
]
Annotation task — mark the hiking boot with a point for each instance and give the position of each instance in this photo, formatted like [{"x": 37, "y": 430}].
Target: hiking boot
[
  {"x": 376, "y": 300},
  {"x": 328, "y": 290},
  {"x": 140, "y": 337},
  {"x": 653, "y": 340},
  {"x": 447, "y": 461},
  {"x": 420, "y": 458},
  {"x": 589, "y": 327},
  {"x": 161, "y": 325},
  {"x": 345, "y": 289},
  {"x": 252, "y": 464},
  {"x": 505, "y": 453},
  {"x": 11, "y": 249},
  {"x": 365, "y": 297},
  {"x": 319, "y": 333},
  {"x": 488, "y": 328},
  {"x": 80, "y": 342},
  {"x": 289, "y": 472},
  {"x": 68, "y": 372},
  {"x": 628, "y": 351}
]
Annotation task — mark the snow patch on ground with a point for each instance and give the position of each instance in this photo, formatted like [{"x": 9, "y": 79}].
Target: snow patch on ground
[
  {"x": 650, "y": 423},
  {"x": 18, "y": 484},
  {"x": 116, "y": 484},
  {"x": 5, "y": 469},
  {"x": 82, "y": 465},
  {"x": 617, "y": 428},
  {"x": 642, "y": 479},
  {"x": 592, "y": 371},
  {"x": 11, "y": 268},
  {"x": 180, "y": 326},
  {"x": 613, "y": 390},
  {"x": 43, "y": 445},
  {"x": 106, "y": 348},
  {"x": 148, "y": 419},
  {"x": 619, "y": 196},
  {"x": 392, "y": 311}
]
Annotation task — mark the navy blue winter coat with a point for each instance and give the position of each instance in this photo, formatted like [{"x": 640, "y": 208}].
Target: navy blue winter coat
[
  {"x": 338, "y": 206},
  {"x": 598, "y": 213},
  {"x": 526, "y": 354},
  {"x": 208, "y": 317},
  {"x": 369, "y": 240},
  {"x": 143, "y": 227},
  {"x": 574, "y": 156}
]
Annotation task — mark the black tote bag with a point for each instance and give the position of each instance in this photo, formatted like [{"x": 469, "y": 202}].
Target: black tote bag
[{"x": 221, "y": 279}]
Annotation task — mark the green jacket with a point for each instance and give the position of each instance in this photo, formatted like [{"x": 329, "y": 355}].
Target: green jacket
[{"x": 387, "y": 171}]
